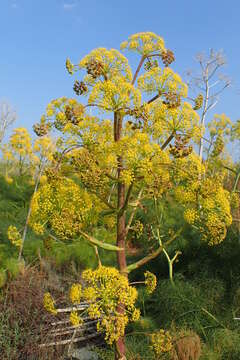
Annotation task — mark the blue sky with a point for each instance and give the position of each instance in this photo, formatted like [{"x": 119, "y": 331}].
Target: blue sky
[{"x": 37, "y": 36}]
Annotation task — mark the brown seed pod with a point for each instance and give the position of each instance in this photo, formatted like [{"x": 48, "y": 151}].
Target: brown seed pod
[
  {"x": 94, "y": 68},
  {"x": 74, "y": 114},
  {"x": 180, "y": 148},
  {"x": 41, "y": 129},
  {"x": 172, "y": 100},
  {"x": 80, "y": 87},
  {"x": 167, "y": 57},
  {"x": 141, "y": 116}
]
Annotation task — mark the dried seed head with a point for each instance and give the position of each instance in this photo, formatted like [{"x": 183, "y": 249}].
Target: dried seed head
[
  {"x": 94, "y": 68},
  {"x": 180, "y": 148},
  {"x": 167, "y": 57},
  {"x": 172, "y": 100},
  {"x": 41, "y": 129},
  {"x": 80, "y": 87},
  {"x": 74, "y": 114}
]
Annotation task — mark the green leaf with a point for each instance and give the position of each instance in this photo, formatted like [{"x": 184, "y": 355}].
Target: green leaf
[{"x": 100, "y": 243}]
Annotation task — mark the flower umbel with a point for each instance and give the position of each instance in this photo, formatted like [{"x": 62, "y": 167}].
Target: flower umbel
[
  {"x": 150, "y": 282},
  {"x": 161, "y": 342},
  {"x": 49, "y": 303}
]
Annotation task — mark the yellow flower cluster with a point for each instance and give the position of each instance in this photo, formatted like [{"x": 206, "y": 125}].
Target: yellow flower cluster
[
  {"x": 75, "y": 319},
  {"x": 115, "y": 94},
  {"x": 144, "y": 43},
  {"x": 113, "y": 62},
  {"x": 150, "y": 282},
  {"x": 111, "y": 301},
  {"x": 49, "y": 303},
  {"x": 162, "y": 342},
  {"x": 14, "y": 236},
  {"x": 207, "y": 206},
  {"x": 162, "y": 81},
  {"x": 215, "y": 231},
  {"x": 65, "y": 114},
  {"x": 44, "y": 147},
  {"x": 20, "y": 142},
  {"x": 25, "y": 155},
  {"x": 69, "y": 66},
  {"x": 75, "y": 293},
  {"x": 63, "y": 206},
  {"x": 182, "y": 120},
  {"x": 108, "y": 291},
  {"x": 188, "y": 169},
  {"x": 190, "y": 215},
  {"x": 19, "y": 151},
  {"x": 220, "y": 124},
  {"x": 8, "y": 179},
  {"x": 91, "y": 174},
  {"x": 235, "y": 200}
]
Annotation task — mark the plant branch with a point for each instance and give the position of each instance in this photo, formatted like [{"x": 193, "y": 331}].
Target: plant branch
[
  {"x": 153, "y": 255},
  {"x": 99, "y": 243},
  {"x": 167, "y": 141},
  {"x": 138, "y": 69}
]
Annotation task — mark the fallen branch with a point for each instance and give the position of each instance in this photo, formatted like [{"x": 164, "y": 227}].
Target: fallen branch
[{"x": 64, "y": 342}]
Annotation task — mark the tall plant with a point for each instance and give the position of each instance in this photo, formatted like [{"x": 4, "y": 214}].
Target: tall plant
[{"x": 127, "y": 141}]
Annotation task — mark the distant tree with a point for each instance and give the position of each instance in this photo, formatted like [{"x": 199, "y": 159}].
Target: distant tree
[
  {"x": 7, "y": 118},
  {"x": 209, "y": 83}
]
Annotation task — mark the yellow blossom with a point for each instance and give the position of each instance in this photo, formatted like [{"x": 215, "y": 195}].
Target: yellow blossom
[
  {"x": 150, "y": 281},
  {"x": 49, "y": 303},
  {"x": 144, "y": 43},
  {"x": 162, "y": 342},
  {"x": 14, "y": 236},
  {"x": 75, "y": 293},
  {"x": 75, "y": 319}
]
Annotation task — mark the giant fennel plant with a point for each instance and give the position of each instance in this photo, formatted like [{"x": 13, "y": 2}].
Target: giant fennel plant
[{"x": 129, "y": 139}]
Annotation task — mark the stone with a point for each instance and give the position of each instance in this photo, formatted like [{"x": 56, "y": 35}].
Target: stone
[{"x": 84, "y": 354}]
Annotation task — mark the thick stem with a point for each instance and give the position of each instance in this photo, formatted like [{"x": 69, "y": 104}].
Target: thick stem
[
  {"x": 121, "y": 221},
  {"x": 121, "y": 228}
]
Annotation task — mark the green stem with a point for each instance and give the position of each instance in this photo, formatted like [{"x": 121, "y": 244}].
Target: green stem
[
  {"x": 236, "y": 181},
  {"x": 96, "y": 242},
  {"x": 153, "y": 255}
]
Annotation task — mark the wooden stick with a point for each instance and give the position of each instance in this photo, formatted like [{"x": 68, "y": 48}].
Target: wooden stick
[
  {"x": 73, "y": 308},
  {"x": 75, "y": 329},
  {"x": 64, "y": 342}
]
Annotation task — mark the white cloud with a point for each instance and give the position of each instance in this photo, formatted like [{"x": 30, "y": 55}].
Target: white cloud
[{"x": 69, "y": 6}]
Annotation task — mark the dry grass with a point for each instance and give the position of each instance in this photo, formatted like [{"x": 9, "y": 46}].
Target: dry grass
[
  {"x": 187, "y": 347},
  {"x": 25, "y": 323}
]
